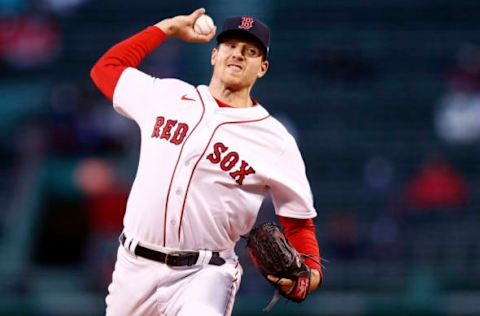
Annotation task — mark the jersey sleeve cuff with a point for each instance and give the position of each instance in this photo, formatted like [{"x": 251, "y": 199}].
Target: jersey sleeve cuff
[{"x": 305, "y": 215}]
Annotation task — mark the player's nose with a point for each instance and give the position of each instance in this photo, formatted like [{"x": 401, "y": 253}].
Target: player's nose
[
  {"x": 238, "y": 57},
  {"x": 238, "y": 53}
]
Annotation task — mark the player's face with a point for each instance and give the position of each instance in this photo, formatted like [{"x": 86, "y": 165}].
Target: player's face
[{"x": 238, "y": 63}]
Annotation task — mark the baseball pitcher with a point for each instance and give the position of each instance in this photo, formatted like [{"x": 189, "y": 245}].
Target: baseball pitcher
[{"x": 209, "y": 155}]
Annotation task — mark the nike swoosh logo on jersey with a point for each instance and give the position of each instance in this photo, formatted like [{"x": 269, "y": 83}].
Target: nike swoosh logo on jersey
[{"x": 185, "y": 98}]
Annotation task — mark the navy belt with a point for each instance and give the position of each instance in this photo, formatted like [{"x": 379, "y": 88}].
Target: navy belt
[{"x": 174, "y": 259}]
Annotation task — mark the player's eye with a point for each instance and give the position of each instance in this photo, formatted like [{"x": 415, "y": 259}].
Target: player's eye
[{"x": 252, "y": 52}]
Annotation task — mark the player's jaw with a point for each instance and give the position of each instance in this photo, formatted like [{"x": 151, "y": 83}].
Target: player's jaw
[
  {"x": 232, "y": 76},
  {"x": 237, "y": 71}
]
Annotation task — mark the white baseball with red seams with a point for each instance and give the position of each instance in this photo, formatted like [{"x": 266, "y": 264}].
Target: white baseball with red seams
[
  {"x": 204, "y": 170},
  {"x": 203, "y": 25}
]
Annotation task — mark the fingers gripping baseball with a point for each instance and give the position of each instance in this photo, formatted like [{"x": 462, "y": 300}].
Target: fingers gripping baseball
[{"x": 181, "y": 26}]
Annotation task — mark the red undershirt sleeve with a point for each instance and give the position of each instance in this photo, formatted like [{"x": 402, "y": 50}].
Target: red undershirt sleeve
[
  {"x": 301, "y": 234},
  {"x": 128, "y": 53}
]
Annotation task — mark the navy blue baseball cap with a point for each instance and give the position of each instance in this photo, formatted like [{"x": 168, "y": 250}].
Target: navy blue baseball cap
[{"x": 246, "y": 26}]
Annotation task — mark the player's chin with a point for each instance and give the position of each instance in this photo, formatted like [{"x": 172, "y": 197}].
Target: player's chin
[
  {"x": 233, "y": 75},
  {"x": 241, "y": 80},
  {"x": 234, "y": 82}
]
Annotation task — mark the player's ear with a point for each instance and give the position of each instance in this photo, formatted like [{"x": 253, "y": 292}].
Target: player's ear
[
  {"x": 213, "y": 57},
  {"x": 263, "y": 68}
]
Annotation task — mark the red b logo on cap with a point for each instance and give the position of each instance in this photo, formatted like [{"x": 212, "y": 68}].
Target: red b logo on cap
[{"x": 247, "y": 22}]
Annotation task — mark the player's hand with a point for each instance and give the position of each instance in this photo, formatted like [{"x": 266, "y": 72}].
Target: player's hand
[
  {"x": 286, "y": 284},
  {"x": 181, "y": 26}
]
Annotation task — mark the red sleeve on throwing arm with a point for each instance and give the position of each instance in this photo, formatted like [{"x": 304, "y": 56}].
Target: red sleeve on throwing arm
[
  {"x": 301, "y": 234},
  {"x": 128, "y": 53}
]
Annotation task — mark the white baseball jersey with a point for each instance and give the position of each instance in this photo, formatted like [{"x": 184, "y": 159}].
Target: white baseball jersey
[{"x": 205, "y": 170}]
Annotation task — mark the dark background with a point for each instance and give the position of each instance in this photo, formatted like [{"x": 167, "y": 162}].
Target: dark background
[{"x": 382, "y": 96}]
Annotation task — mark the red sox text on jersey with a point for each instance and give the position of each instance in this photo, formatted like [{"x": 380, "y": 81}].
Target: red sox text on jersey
[
  {"x": 179, "y": 134},
  {"x": 228, "y": 161},
  {"x": 164, "y": 128}
]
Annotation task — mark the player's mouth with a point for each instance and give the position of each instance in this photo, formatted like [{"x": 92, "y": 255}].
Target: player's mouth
[{"x": 235, "y": 67}]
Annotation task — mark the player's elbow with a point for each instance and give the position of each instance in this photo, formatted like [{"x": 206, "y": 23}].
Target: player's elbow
[
  {"x": 95, "y": 74},
  {"x": 102, "y": 81},
  {"x": 105, "y": 75}
]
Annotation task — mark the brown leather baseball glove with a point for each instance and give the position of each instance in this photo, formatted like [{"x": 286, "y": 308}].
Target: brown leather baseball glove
[{"x": 272, "y": 254}]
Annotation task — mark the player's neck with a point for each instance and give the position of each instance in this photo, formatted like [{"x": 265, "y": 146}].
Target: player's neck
[{"x": 235, "y": 98}]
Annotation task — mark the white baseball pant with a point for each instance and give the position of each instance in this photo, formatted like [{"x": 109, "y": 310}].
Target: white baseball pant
[{"x": 145, "y": 287}]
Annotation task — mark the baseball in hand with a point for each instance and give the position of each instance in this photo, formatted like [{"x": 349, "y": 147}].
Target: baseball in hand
[{"x": 203, "y": 25}]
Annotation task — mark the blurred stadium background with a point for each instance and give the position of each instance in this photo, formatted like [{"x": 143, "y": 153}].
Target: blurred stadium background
[{"x": 383, "y": 97}]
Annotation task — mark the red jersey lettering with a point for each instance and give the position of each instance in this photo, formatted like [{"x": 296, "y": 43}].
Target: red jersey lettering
[
  {"x": 166, "y": 130},
  {"x": 240, "y": 174},
  {"x": 163, "y": 130},
  {"x": 229, "y": 161},
  {"x": 218, "y": 149},
  {"x": 158, "y": 124},
  {"x": 179, "y": 134}
]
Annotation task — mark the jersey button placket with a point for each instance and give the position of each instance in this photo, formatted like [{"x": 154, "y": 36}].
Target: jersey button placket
[
  {"x": 178, "y": 194},
  {"x": 192, "y": 151},
  {"x": 176, "y": 201}
]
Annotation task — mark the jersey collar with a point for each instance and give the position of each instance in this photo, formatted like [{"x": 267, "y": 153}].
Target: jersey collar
[{"x": 253, "y": 112}]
